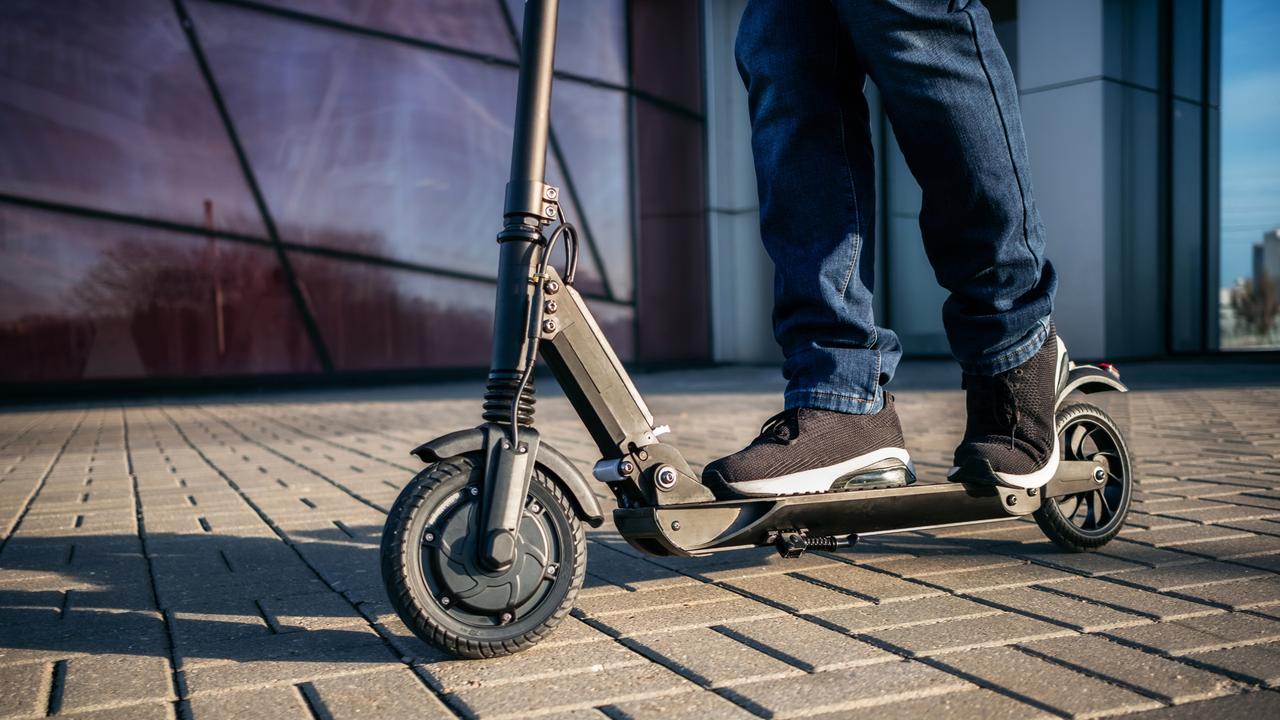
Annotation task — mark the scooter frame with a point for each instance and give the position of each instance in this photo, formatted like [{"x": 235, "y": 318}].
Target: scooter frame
[{"x": 663, "y": 508}]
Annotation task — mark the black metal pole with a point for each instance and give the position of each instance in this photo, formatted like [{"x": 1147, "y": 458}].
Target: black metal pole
[{"x": 528, "y": 202}]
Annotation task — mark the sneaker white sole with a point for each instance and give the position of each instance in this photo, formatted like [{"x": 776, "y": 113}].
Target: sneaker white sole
[{"x": 820, "y": 479}]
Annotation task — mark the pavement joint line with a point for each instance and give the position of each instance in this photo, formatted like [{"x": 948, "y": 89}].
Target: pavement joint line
[
  {"x": 44, "y": 479},
  {"x": 375, "y": 458},
  {"x": 377, "y": 629},
  {"x": 177, "y": 676}
]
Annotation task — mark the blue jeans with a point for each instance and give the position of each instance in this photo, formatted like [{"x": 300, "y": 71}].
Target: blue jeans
[{"x": 949, "y": 93}]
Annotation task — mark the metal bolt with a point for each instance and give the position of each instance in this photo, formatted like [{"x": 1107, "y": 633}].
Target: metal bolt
[
  {"x": 535, "y": 508},
  {"x": 553, "y": 287},
  {"x": 550, "y": 193},
  {"x": 1032, "y": 491},
  {"x": 429, "y": 537},
  {"x": 549, "y": 325},
  {"x": 551, "y": 569},
  {"x": 473, "y": 490},
  {"x": 444, "y": 600},
  {"x": 1099, "y": 475},
  {"x": 626, "y": 467},
  {"x": 643, "y": 454},
  {"x": 666, "y": 477},
  {"x": 1011, "y": 500},
  {"x": 507, "y": 617},
  {"x": 551, "y": 306},
  {"x": 675, "y": 524},
  {"x": 551, "y": 211}
]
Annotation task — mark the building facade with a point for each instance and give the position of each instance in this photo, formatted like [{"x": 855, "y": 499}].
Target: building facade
[{"x": 196, "y": 189}]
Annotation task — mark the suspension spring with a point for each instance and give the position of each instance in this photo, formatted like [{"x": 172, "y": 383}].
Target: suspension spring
[{"x": 499, "y": 393}]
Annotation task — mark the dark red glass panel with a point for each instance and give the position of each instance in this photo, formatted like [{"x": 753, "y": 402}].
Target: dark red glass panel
[
  {"x": 666, "y": 51},
  {"x": 672, "y": 294},
  {"x": 102, "y": 105},
  {"x": 375, "y": 317},
  {"x": 591, "y": 126},
  {"x": 82, "y": 299},
  {"x": 366, "y": 145},
  {"x": 475, "y": 25},
  {"x": 591, "y": 37}
]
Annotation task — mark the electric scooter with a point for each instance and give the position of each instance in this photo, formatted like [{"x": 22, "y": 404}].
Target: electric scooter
[{"x": 484, "y": 551}]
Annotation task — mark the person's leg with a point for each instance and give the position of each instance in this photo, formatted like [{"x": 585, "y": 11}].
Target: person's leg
[
  {"x": 950, "y": 95},
  {"x": 810, "y": 137}
]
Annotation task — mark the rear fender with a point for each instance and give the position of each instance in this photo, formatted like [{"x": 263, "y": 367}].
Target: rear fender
[{"x": 1089, "y": 379}]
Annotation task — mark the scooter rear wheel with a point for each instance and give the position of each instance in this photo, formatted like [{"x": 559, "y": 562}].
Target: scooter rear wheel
[
  {"x": 430, "y": 568},
  {"x": 1087, "y": 521}
]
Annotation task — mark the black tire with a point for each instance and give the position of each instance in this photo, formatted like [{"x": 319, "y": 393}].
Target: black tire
[
  {"x": 1087, "y": 521},
  {"x": 440, "y": 592}
]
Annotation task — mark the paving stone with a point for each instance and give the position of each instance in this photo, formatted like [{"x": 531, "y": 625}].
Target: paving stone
[
  {"x": 281, "y": 702},
  {"x": 1067, "y": 610},
  {"x": 964, "y": 634},
  {"x": 896, "y": 615},
  {"x": 969, "y": 703},
  {"x": 667, "y": 620},
  {"x": 1168, "y": 680},
  {"x": 1240, "y": 547},
  {"x": 24, "y": 689},
  {"x": 534, "y": 664},
  {"x": 1047, "y": 684},
  {"x": 1183, "y": 535},
  {"x": 1140, "y": 602},
  {"x": 1180, "y": 577},
  {"x": 1145, "y": 554},
  {"x": 805, "y": 644},
  {"x": 944, "y": 562},
  {"x": 664, "y": 598},
  {"x": 1201, "y": 634},
  {"x": 685, "y": 706},
  {"x": 794, "y": 594},
  {"x": 1091, "y": 564},
  {"x": 710, "y": 658},
  {"x": 558, "y": 695},
  {"x": 310, "y": 656},
  {"x": 1248, "y": 705},
  {"x": 1256, "y": 592},
  {"x": 996, "y": 578},
  {"x": 1252, "y": 663},
  {"x": 391, "y": 695},
  {"x": 876, "y": 586},
  {"x": 109, "y": 679},
  {"x": 840, "y": 690},
  {"x": 318, "y": 611},
  {"x": 140, "y": 711}
]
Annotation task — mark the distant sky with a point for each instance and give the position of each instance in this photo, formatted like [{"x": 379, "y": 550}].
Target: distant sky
[{"x": 1250, "y": 130}]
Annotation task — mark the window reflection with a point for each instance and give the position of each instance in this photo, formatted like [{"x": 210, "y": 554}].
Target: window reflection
[
  {"x": 102, "y": 105},
  {"x": 91, "y": 299}
]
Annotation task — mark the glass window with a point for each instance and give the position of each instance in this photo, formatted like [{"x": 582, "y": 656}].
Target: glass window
[
  {"x": 1249, "y": 277},
  {"x": 591, "y": 37},
  {"x": 88, "y": 299},
  {"x": 475, "y": 25},
  {"x": 102, "y": 105}
]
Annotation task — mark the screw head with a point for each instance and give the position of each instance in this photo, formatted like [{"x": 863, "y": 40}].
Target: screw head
[
  {"x": 1011, "y": 500},
  {"x": 535, "y": 508},
  {"x": 473, "y": 490},
  {"x": 445, "y": 601},
  {"x": 507, "y": 617},
  {"x": 549, "y": 325},
  {"x": 551, "y": 211},
  {"x": 552, "y": 569},
  {"x": 626, "y": 467},
  {"x": 1099, "y": 475},
  {"x": 675, "y": 524},
  {"x": 1032, "y": 491},
  {"x": 553, "y": 287},
  {"x": 666, "y": 477},
  {"x": 551, "y": 306},
  {"x": 429, "y": 537},
  {"x": 550, "y": 193}
]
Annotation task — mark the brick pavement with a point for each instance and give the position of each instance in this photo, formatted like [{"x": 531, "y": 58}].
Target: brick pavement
[{"x": 217, "y": 557}]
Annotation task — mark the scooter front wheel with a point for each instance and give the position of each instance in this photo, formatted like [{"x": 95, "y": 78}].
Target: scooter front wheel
[
  {"x": 1087, "y": 521},
  {"x": 442, "y": 593}
]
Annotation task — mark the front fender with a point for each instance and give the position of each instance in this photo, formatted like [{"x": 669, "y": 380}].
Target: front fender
[
  {"x": 1089, "y": 379},
  {"x": 470, "y": 440}
]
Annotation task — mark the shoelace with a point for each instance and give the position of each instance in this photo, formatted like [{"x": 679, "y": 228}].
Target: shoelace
[
  {"x": 997, "y": 399},
  {"x": 779, "y": 427}
]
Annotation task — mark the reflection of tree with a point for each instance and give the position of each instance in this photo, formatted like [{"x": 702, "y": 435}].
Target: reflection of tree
[{"x": 1257, "y": 303}]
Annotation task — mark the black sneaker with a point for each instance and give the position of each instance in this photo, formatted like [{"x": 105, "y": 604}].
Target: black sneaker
[
  {"x": 805, "y": 450},
  {"x": 1010, "y": 438}
]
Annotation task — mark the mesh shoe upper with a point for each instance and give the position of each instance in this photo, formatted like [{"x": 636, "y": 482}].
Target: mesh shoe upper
[
  {"x": 806, "y": 439},
  {"x": 1010, "y": 424}
]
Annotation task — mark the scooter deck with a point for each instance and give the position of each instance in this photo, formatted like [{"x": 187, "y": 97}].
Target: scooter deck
[{"x": 704, "y": 528}]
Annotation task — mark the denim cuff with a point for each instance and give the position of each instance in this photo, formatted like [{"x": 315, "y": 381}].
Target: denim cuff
[
  {"x": 824, "y": 399},
  {"x": 1012, "y": 356}
]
